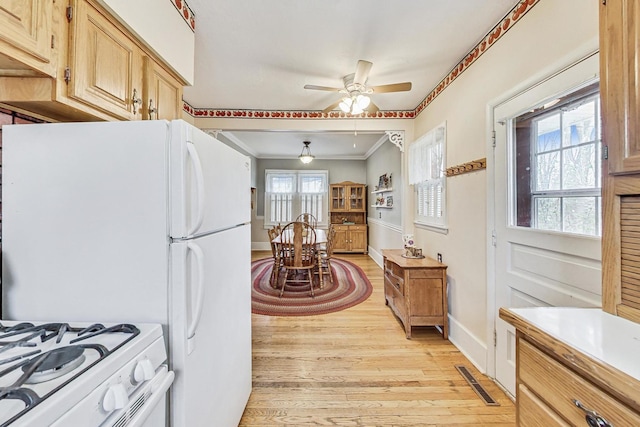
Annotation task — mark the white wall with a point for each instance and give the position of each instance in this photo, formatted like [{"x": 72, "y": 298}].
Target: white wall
[
  {"x": 550, "y": 36},
  {"x": 159, "y": 24}
]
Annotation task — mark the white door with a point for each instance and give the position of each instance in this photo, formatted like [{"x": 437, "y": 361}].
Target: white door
[
  {"x": 210, "y": 331},
  {"x": 210, "y": 183},
  {"x": 535, "y": 267}
]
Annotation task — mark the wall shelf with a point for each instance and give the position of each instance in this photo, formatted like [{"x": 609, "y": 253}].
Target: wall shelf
[
  {"x": 382, "y": 206},
  {"x": 382, "y": 190}
]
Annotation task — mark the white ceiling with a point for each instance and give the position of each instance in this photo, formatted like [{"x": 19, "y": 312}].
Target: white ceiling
[{"x": 259, "y": 54}]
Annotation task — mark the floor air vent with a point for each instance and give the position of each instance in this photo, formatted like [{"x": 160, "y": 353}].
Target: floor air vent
[{"x": 475, "y": 385}]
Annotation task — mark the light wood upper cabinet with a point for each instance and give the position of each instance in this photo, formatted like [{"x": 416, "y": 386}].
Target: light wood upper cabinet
[
  {"x": 106, "y": 64},
  {"x": 100, "y": 70},
  {"x": 619, "y": 76},
  {"x": 26, "y": 37},
  {"x": 619, "y": 85},
  {"x": 163, "y": 93}
]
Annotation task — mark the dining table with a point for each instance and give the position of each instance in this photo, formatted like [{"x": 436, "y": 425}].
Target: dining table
[{"x": 321, "y": 237}]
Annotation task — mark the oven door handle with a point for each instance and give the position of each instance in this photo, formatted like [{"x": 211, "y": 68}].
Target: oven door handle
[{"x": 159, "y": 388}]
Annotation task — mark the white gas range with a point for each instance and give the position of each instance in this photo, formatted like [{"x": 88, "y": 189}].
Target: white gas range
[{"x": 81, "y": 374}]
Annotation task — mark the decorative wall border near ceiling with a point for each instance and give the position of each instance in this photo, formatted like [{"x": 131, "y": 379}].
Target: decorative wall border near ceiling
[
  {"x": 186, "y": 13},
  {"x": 499, "y": 30},
  {"x": 285, "y": 114}
]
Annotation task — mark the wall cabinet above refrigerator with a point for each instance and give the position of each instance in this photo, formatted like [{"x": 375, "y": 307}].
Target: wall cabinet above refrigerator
[{"x": 97, "y": 70}]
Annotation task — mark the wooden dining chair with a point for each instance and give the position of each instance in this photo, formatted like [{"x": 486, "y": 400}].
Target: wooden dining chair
[
  {"x": 298, "y": 254},
  {"x": 277, "y": 259},
  {"x": 307, "y": 218}
]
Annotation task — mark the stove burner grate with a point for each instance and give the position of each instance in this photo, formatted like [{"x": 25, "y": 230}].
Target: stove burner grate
[{"x": 54, "y": 364}]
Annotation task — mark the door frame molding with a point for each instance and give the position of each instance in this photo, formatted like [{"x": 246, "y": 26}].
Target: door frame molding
[{"x": 557, "y": 68}]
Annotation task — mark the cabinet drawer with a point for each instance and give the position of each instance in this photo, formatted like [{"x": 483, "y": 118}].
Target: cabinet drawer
[
  {"x": 341, "y": 227},
  {"x": 425, "y": 273},
  {"x": 394, "y": 269},
  {"x": 532, "y": 412},
  {"x": 394, "y": 281},
  {"x": 557, "y": 386},
  {"x": 358, "y": 227}
]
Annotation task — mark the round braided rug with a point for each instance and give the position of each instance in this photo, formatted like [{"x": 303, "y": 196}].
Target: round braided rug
[{"x": 350, "y": 287}]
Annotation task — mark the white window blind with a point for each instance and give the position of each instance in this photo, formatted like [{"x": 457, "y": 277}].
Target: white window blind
[
  {"x": 291, "y": 193},
  {"x": 427, "y": 175}
]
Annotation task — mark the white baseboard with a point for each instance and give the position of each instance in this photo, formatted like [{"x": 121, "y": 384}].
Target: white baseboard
[
  {"x": 260, "y": 246},
  {"x": 468, "y": 344},
  {"x": 376, "y": 256}
]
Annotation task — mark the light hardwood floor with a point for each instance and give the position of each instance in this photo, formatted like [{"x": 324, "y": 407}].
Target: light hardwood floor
[{"x": 356, "y": 368}]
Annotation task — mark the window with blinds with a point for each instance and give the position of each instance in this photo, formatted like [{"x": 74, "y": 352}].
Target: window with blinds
[
  {"x": 427, "y": 175},
  {"x": 290, "y": 193}
]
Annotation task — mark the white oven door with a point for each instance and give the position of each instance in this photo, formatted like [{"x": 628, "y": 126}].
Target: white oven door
[{"x": 147, "y": 406}]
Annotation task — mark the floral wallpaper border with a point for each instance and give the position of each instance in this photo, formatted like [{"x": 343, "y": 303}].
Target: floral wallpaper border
[{"x": 186, "y": 13}]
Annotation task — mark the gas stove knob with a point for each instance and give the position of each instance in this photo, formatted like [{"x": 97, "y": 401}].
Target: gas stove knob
[
  {"x": 143, "y": 371},
  {"x": 115, "y": 398}
]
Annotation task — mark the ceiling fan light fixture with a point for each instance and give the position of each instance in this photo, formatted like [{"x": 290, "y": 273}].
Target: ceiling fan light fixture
[
  {"x": 345, "y": 105},
  {"x": 363, "y": 101},
  {"x": 306, "y": 156},
  {"x": 355, "y": 104}
]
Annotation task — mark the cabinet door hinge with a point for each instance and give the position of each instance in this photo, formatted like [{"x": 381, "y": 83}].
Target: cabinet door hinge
[
  {"x": 495, "y": 338},
  {"x": 493, "y": 138},
  {"x": 494, "y": 238},
  {"x": 605, "y": 152},
  {"x": 53, "y": 41},
  {"x": 69, "y": 13},
  {"x": 67, "y": 75}
]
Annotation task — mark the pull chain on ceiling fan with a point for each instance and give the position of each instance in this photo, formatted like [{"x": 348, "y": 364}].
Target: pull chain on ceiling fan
[{"x": 356, "y": 97}]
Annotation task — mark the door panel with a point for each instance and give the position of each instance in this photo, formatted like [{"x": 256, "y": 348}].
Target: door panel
[
  {"x": 536, "y": 267},
  {"x": 106, "y": 65},
  {"x": 216, "y": 374},
  {"x": 26, "y": 25},
  {"x": 225, "y": 197}
]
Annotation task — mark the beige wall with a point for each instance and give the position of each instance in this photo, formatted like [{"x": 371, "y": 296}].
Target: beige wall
[
  {"x": 552, "y": 35},
  {"x": 167, "y": 33}
]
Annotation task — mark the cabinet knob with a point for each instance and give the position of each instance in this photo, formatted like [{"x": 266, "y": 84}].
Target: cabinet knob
[
  {"x": 135, "y": 100},
  {"x": 153, "y": 111},
  {"x": 591, "y": 416}
]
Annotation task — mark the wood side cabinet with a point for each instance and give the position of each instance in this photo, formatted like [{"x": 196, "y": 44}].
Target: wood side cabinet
[
  {"x": 575, "y": 367},
  {"x": 416, "y": 290},
  {"x": 350, "y": 238}
]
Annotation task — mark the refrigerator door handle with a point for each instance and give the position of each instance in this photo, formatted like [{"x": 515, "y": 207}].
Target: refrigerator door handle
[
  {"x": 197, "y": 167},
  {"x": 196, "y": 311}
]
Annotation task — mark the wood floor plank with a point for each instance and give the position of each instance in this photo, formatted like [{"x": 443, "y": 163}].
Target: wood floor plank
[{"x": 356, "y": 368}]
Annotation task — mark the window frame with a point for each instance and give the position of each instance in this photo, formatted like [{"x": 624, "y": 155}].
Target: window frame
[
  {"x": 524, "y": 200},
  {"x": 297, "y": 197},
  {"x": 427, "y": 173}
]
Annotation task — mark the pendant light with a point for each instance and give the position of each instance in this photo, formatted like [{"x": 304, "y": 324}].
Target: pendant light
[{"x": 306, "y": 156}]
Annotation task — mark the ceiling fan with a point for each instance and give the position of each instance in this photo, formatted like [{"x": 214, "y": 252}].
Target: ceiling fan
[{"x": 356, "y": 92}]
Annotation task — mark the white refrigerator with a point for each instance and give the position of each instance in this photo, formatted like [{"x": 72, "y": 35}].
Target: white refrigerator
[{"x": 143, "y": 221}]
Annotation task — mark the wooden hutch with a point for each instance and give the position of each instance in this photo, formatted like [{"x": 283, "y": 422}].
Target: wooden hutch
[{"x": 348, "y": 215}]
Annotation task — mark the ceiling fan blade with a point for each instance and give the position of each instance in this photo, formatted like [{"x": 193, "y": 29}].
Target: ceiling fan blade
[
  {"x": 330, "y": 89},
  {"x": 372, "y": 108},
  {"x": 362, "y": 72},
  {"x": 395, "y": 87},
  {"x": 331, "y": 107}
]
